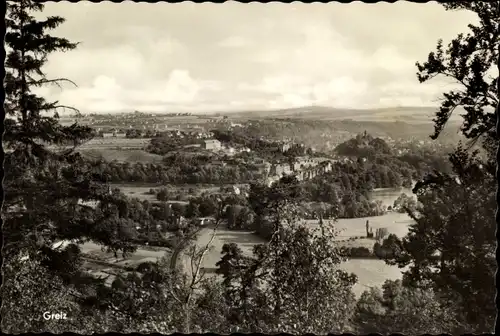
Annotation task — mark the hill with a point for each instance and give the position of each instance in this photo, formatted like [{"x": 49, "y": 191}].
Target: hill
[{"x": 404, "y": 113}]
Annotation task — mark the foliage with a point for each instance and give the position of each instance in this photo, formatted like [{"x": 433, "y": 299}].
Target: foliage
[
  {"x": 194, "y": 170},
  {"x": 387, "y": 249},
  {"x": 275, "y": 204},
  {"x": 291, "y": 284},
  {"x": 347, "y": 187},
  {"x": 363, "y": 145},
  {"x": 403, "y": 310},
  {"x": 28, "y": 292},
  {"x": 357, "y": 252},
  {"x": 404, "y": 203},
  {"x": 45, "y": 179},
  {"x": 165, "y": 145},
  {"x": 468, "y": 61},
  {"x": 451, "y": 246}
]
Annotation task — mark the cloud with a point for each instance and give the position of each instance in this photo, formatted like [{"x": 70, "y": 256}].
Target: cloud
[
  {"x": 234, "y": 42},
  {"x": 105, "y": 94},
  {"x": 275, "y": 55},
  {"x": 289, "y": 91},
  {"x": 124, "y": 63}
]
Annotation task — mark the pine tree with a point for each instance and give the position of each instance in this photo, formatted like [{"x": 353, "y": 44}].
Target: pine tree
[{"x": 45, "y": 177}]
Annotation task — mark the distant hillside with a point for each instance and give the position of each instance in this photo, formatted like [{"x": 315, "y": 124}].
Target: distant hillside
[
  {"x": 408, "y": 114},
  {"x": 326, "y": 134}
]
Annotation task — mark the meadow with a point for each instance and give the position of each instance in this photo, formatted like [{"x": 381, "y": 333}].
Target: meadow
[
  {"x": 121, "y": 155},
  {"x": 118, "y": 142},
  {"x": 141, "y": 190}
]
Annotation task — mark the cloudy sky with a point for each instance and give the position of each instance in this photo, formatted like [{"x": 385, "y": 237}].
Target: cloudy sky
[{"x": 217, "y": 57}]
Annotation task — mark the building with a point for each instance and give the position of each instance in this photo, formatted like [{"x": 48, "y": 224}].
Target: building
[
  {"x": 285, "y": 146},
  {"x": 211, "y": 144}
]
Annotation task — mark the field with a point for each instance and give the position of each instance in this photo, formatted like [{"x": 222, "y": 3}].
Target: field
[
  {"x": 106, "y": 265},
  {"x": 141, "y": 190},
  {"x": 396, "y": 223},
  {"x": 111, "y": 142},
  {"x": 370, "y": 272},
  {"x": 121, "y": 155}
]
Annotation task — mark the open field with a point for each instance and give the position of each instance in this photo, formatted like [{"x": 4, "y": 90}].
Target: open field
[
  {"x": 106, "y": 265},
  {"x": 370, "y": 272},
  {"x": 140, "y": 190},
  {"x": 140, "y": 256},
  {"x": 111, "y": 142},
  {"x": 396, "y": 223},
  {"x": 142, "y": 193},
  {"x": 121, "y": 155}
]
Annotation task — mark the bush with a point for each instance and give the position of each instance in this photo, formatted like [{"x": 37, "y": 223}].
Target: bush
[
  {"x": 163, "y": 195},
  {"x": 357, "y": 252}
]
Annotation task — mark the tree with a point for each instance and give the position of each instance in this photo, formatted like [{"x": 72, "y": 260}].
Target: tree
[
  {"x": 245, "y": 218},
  {"x": 451, "y": 246},
  {"x": 404, "y": 203},
  {"x": 45, "y": 179},
  {"x": 163, "y": 195},
  {"x": 468, "y": 61},
  {"x": 403, "y": 310},
  {"x": 291, "y": 284},
  {"x": 25, "y": 294},
  {"x": 208, "y": 206},
  {"x": 192, "y": 210},
  {"x": 232, "y": 214}
]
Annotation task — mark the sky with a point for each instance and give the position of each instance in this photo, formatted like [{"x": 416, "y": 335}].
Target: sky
[{"x": 208, "y": 57}]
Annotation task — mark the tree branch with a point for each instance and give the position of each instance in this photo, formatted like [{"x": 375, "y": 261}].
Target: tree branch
[
  {"x": 61, "y": 106},
  {"x": 51, "y": 81}
]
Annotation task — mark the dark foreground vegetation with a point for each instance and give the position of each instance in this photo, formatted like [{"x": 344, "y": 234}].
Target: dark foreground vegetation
[{"x": 290, "y": 284}]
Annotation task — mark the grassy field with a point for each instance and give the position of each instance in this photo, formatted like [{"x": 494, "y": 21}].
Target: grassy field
[
  {"x": 396, "y": 223},
  {"x": 113, "y": 265},
  {"x": 141, "y": 190},
  {"x": 98, "y": 143},
  {"x": 370, "y": 272},
  {"x": 121, "y": 155}
]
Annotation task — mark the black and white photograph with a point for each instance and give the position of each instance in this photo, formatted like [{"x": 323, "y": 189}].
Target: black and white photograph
[{"x": 298, "y": 168}]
